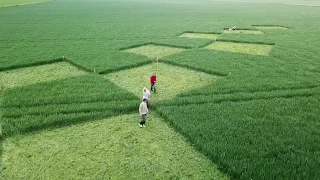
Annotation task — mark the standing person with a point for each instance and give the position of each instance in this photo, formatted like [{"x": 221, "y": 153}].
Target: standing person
[
  {"x": 143, "y": 110},
  {"x": 153, "y": 80},
  {"x": 146, "y": 95}
]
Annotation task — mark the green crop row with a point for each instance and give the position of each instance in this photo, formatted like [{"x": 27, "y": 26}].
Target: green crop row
[
  {"x": 247, "y": 73},
  {"x": 218, "y": 90},
  {"x": 78, "y": 65},
  {"x": 245, "y": 41},
  {"x": 268, "y": 25},
  {"x": 117, "y": 106},
  {"x": 206, "y": 32},
  {"x": 32, "y": 123},
  {"x": 248, "y": 38},
  {"x": 185, "y": 65},
  {"x": 259, "y": 139},
  {"x": 9, "y": 65},
  {"x": 18, "y": 54},
  {"x": 182, "y": 42},
  {"x": 85, "y": 59},
  {"x": 28, "y": 119},
  {"x": 62, "y": 102},
  {"x": 82, "y": 89},
  {"x": 186, "y": 43},
  {"x": 109, "y": 70},
  {"x": 114, "y": 60},
  {"x": 240, "y": 96}
]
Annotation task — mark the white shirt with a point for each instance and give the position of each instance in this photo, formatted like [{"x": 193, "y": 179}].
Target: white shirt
[
  {"x": 146, "y": 95},
  {"x": 143, "y": 109}
]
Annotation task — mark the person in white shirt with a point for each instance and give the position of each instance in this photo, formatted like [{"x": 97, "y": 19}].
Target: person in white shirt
[
  {"x": 143, "y": 110},
  {"x": 146, "y": 95},
  {"x": 232, "y": 29}
]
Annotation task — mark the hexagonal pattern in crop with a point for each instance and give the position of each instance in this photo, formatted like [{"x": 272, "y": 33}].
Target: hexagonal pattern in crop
[
  {"x": 171, "y": 80},
  {"x": 35, "y": 74},
  {"x": 155, "y": 51},
  {"x": 246, "y": 48}
]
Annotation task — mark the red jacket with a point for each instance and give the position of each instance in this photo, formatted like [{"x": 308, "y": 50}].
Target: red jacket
[{"x": 153, "y": 79}]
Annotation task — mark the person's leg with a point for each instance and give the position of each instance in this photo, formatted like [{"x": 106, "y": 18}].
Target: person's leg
[
  {"x": 143, "y": 121},
  {"x": 154, "y": 87},
  {"x": 151, "y": 88}
]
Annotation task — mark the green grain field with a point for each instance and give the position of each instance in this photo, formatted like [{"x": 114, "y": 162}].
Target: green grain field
[
  {"x": 10, "y": 3},
  {"x": 240, "y": 104}
]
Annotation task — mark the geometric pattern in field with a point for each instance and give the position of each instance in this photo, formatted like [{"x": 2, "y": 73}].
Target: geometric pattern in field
[
  {"x": 271, "y": 27},
  {"x": 35, "y": 74},
  {"x": 246, "y": 48},
  {"x": 154, "y": 51},
  {"x": 105, "y": 150},
  {"x": 171, "y": 80},
  {"x": 200, "y": 35},
  {"x": 257, "y": 32}
]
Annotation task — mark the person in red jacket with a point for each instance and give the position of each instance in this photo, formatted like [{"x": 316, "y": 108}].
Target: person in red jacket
[{"x": 153, "y": 80}]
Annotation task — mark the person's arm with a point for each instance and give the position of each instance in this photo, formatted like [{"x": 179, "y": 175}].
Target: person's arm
[{"x": 140, "y": 108}]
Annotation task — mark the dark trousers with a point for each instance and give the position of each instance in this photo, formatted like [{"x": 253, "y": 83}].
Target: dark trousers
[
  {"x": 153, "y": 87},
  {"x": 143, "y": 120}
]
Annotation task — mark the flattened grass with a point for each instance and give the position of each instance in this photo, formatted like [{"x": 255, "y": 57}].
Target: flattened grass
[
  {"x": 114, "y": 148},
  {"x": 171, "y": 80},
  {"x": 246, "y": 48},
  {"x": 243, "y": 32},
  {"x": 155, "y": 51},
  {"x": 200, "y": 35},
  {"x": 36, "y": 74}
]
